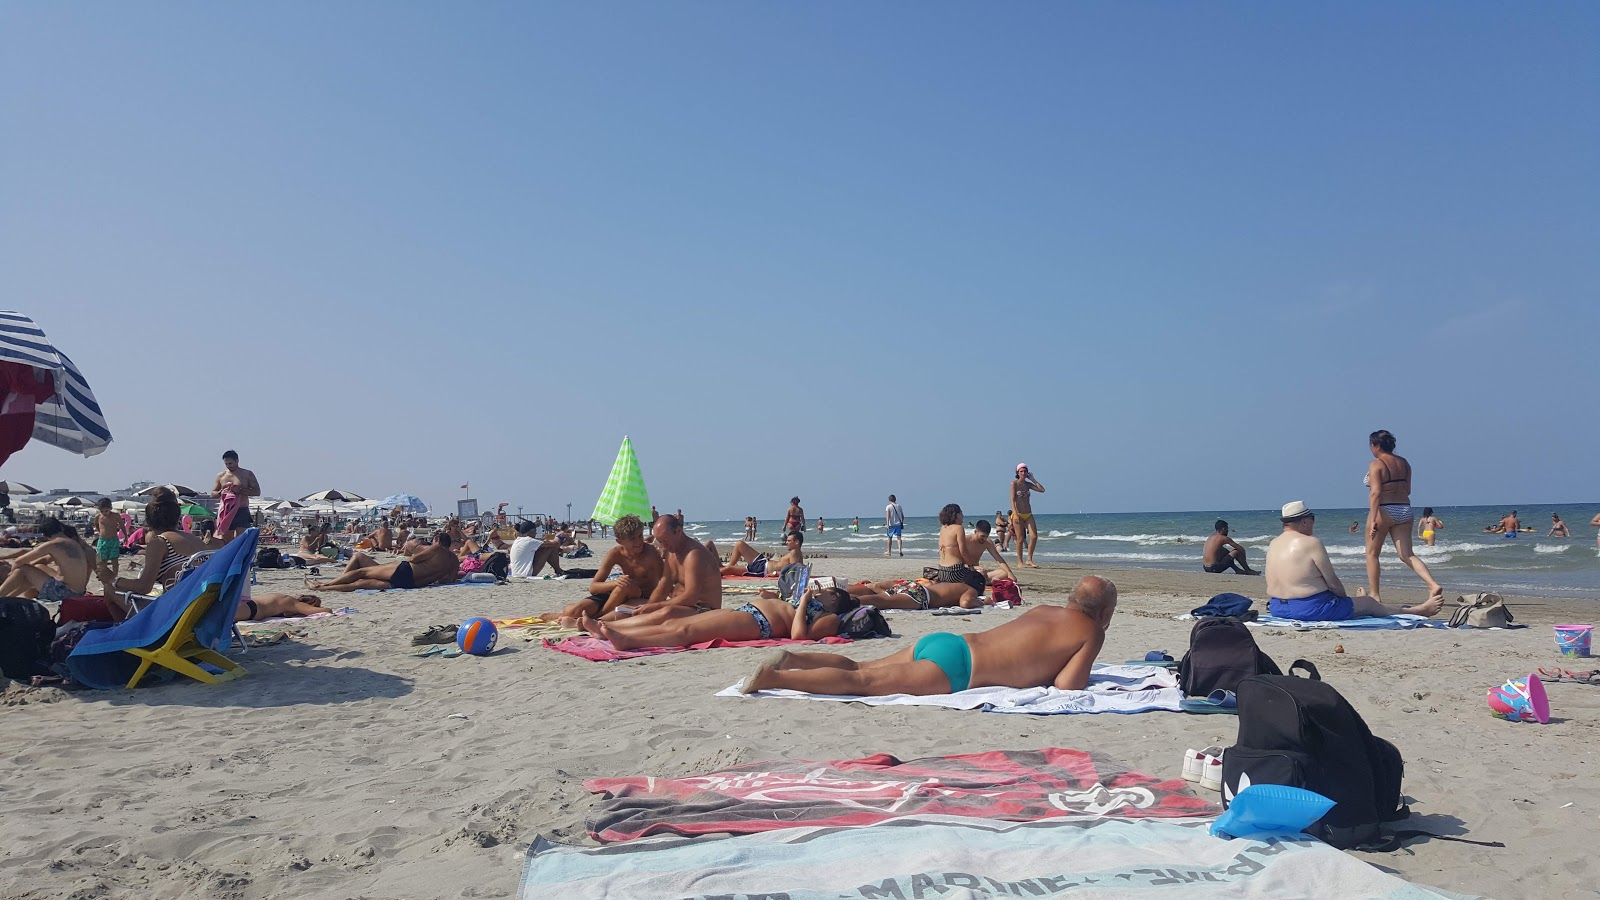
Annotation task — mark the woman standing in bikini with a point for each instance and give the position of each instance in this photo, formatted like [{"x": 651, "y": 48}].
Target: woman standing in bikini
[
  {"x": 1389, "y": 512},
  {"x": 1430, "y": 526}
]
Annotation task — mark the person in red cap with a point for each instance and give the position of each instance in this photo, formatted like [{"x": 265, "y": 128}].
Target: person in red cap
[{"x": 1022, "y": 521}]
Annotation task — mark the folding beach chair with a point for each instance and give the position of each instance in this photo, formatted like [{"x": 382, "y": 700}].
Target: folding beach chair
[
  {"x": 186, "y": 625},
  {"x": 137, "y": 602}
]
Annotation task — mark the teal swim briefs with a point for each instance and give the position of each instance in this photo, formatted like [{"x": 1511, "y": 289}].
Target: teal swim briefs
[{"x": 950, "y": 653}]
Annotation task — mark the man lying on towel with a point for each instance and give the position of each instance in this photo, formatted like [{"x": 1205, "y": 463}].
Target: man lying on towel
[
  {"x": 1302, "y": 584},
  {"x": 747, "y": 560},
  {"x": 433, "y": 564},
  {"x": 1047, "y": 645},
  {"x": 642, "y": 568}
]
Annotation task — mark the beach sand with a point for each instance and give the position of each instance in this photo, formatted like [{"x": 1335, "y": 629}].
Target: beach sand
[{"x": 343, "y": 766}]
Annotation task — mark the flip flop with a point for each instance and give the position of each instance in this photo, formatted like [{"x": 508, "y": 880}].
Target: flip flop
[
  {"x": 1218, "y": 701},
  {"x": 1567, "y": 675}
]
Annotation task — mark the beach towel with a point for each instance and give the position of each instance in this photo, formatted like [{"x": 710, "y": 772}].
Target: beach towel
[
  {"x": 1004, "y": 785},
  {"x": 541, "y": 627},
  {"x": 963, "y": 859},
  {"x": 1112, "y": 689},
  {"x": 1369, "y": 623},
  {"x": 598, "y": 650}
]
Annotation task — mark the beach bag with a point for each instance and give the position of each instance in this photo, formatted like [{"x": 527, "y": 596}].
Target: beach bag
[
  {"x": 1222, "y": 652},
  {"x": 84, "y": 609},
  {"x": 1302, "y": 733},
  {"x": 269, "y": 558},
  {"x": 470, "y": 565},
  {"x": 864, "y": 622},
  {"x": 1482, "y": 611},
  {"x": 498, "y": 565},
  {"x": 25, "y": 636},
  {"x": 1004, "y": 590}
]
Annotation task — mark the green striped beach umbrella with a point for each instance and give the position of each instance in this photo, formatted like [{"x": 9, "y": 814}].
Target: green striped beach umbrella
[{"x": 624, "y": 493}]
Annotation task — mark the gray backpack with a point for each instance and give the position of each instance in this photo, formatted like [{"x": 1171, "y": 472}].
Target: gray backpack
[{"x": 1482, "y": 611}]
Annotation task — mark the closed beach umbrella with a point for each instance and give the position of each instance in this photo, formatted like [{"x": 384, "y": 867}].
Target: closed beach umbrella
[
  {"x": 181, "y": 490},
  {"x": 17, "y": 487},
  {"x": 43, "y": 396},
  {"x": 624, "y": 493},
  {"x": 335, "y": 495},
  {"x": 404, "y": 501}
]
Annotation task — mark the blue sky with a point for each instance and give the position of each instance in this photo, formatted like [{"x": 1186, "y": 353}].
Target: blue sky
[{"x": 1173, "y": 256}]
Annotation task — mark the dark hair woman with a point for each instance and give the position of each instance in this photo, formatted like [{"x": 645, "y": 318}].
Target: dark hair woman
[{"x": 1389, "y": 514}]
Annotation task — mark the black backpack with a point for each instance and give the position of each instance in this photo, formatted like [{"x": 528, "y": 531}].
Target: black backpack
[
  {"x": 1302, "y": 733},
  {"x": 25, "y": 636},
  {"x": 269, "y": 558},
  {"x": 1222, "y": 653}
]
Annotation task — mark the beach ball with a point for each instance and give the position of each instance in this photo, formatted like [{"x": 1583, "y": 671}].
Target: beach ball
[{"x": 477, "y": 636}]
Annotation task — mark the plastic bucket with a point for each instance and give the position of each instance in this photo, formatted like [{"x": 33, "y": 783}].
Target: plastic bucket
[
  {"x": 1573, "y": 640},
  {"x": 1520, "y": 700}
]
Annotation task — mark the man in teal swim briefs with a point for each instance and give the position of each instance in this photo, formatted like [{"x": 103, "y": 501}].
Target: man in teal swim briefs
[{"x": 1047, "y": 645}]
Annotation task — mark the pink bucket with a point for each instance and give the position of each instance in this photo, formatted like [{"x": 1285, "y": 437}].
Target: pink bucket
[
  {"x": 1573, "y": 640},
  {"x": 1520, "y": 700}
]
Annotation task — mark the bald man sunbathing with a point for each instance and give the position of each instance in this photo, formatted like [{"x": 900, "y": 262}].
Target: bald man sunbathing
[{"x": 1047, "y": 645}]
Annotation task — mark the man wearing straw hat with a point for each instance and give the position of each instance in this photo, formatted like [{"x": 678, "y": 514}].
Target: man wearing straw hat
[{"x": 1302, "y": 583}]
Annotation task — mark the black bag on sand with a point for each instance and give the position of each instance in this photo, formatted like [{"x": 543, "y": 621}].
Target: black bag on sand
[
  {"x": 1222, "y": 652},
  {"x": 25, "y": 636},
  {"x": 269, "y": 558},
  {"x": 1302, "y": 733}
]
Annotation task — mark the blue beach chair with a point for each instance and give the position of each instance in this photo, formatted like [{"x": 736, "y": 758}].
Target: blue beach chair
[{"x": 188, "y": 623}]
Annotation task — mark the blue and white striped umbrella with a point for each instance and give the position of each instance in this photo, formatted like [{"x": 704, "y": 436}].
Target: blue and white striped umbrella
[
  {"x": 70, "y": 419},
  {"x": 406, "y": 501}
]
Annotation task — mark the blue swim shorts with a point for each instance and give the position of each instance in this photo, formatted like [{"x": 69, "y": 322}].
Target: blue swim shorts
[
  {"x": 1323, "y": 607},
  {"x": 894, "y": 530}
]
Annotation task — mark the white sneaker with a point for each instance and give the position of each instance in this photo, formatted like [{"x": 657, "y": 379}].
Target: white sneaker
[
  {"x": 1211, "y": 776},
  {"x": 1193, "y": 764}
]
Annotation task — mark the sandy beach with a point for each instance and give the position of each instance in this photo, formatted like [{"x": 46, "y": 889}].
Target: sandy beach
[{"x": 344, "y": 766}]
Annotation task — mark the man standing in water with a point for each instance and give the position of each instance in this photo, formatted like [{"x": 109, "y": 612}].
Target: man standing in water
[
  {"x": 1510, "y": 525},
  {"x": 1022, "y": 522},
  {"x": 894, "y": 519},
  {"x": 244, "y": 485}
]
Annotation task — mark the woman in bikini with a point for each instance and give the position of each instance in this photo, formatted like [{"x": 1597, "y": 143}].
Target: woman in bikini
[
  {"x": 760, "y": 619},
  {"x": 1389, "y": 512},
  {"x": 1430, "y": 526},
  {"x": 168, "y": 549}
]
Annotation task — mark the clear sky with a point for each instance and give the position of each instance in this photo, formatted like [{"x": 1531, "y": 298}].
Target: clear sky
[{"x": 1174, "y": 256}]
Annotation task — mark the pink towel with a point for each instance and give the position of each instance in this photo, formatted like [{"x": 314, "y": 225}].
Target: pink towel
[
  {"x": 228, "y": 508},
  {"x": 598, "y": 650}
]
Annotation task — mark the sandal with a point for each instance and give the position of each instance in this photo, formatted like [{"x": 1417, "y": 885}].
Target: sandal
[{"x": 438, "y": 634}]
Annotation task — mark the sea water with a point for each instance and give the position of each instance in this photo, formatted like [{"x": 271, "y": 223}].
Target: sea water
[{"x": 1464, "y": 559}]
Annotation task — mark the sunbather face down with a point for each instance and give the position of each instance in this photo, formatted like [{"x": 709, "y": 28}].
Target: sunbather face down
[
  {"x": 1047, "y": 645},
  {"x": 433, "y": 564},
  {"x": 761, "y": 619}
]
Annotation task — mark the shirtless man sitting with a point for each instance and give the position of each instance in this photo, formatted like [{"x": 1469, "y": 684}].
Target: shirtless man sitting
[
  {"x": 1302, "y": 583},
  {"x": 433, "y": 564},
  {"x": 1223, "y": 553},
  {"x": 747, "y": 560},
  {"x": 642, "y": 567},
  {"x": 56, "y": 569},
  {"x": 382, "y": 538},
  {"x": 692, "y": 583},
  {"x": 1047, "y": 645},
  {"x": 978, "y": 543}
]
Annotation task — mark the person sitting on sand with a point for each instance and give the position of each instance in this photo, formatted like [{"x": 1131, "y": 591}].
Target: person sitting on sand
[
  {"x": 55, "y": 569},
  {"x": 920, "y": 594},
  {"x": 311, "y": 544},
  {"x": 642, "y": 567},
  {"x": 815, "y": 616},
  {"x": 691, "y": 582},
  {"x": 1223, "y": 553},
  {"x": 1303, "y": 585},
  {"x": 1045, "y": 646},
  {"x": 953, "y": 553},
  {"x": 433, "y": 564},
  {"x": 747, "y": 560},
  {"x": 382, "y": 537},
  {"x": 976, "y": 544},
  {"x": 529, "y": 555}
]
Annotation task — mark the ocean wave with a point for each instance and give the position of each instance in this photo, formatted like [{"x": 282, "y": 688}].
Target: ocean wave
[
  {"x": 1061, "y": 534},
  {"x": 1146, "y": 540},
  {"x": 1131, "y": 555},
  {"x": 1552, "y": 548}
]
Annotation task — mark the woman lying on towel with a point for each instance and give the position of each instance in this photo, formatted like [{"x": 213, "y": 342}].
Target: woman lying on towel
[
  {"x": 918, "y": 594},
  {"x": 761, "y": 619}
]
